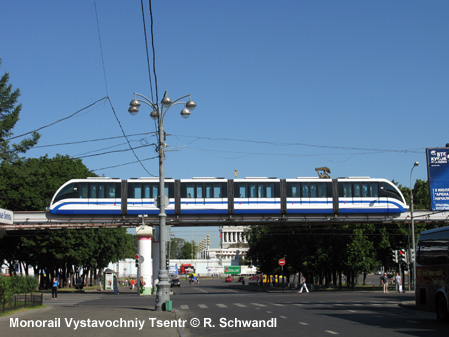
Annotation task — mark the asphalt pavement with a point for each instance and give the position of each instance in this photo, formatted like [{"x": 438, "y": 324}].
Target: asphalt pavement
[{"x": 93, "y": 314}]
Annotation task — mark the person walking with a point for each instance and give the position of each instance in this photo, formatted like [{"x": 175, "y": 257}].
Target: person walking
[
  {"x": 54, "y": 288},
  {"x": 397, "y": 280},
  {"x": 303, "y": 284},
  {"x": 385, "y": 283}
]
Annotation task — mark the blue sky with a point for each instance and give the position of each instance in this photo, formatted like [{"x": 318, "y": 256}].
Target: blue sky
[{"x": 282, "y": 87}]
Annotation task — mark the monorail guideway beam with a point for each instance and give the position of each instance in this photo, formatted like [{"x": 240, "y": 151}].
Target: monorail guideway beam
[{"x": 43, "y": 220}]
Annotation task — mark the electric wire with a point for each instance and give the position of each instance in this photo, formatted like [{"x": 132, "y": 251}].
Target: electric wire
[
  {"x": 59, "y": 120},
  {"x": 146, "y": 49}
]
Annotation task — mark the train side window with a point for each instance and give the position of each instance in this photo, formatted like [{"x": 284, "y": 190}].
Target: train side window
[
  {"x": 101, "y": 191},
  {"x": 154, "y": 190},
  {"x": 261, "y": 190},
  {"x": 111, "y": 191},
  {"x": 218, "y": 191},
  {"x": 252, "y": 191},
  {"x": 357, "y": 191},
  {"x": 322, "y": 190},
  {"x": 365, "y": 190},
  {"x": 199, "y": 191},
  {"x": 137, "y": 191},
  {"x": 373, "y": 190},
  {"x": 209, "y": 191},
  {"x": 240, "y": 191},
  {"x": 313, "y": 190},
  {"x": 92, "y": 190},
  {"x": 84, "y": 190},
  {"x": 190, "y": 190},
  {"x": 305, "y": 191},
  {"x": 169, "y": 190},
  {"x": 270, "y": 190},
  {"x": 347, "y": 190},
  {"x": 293, "y": 190}
]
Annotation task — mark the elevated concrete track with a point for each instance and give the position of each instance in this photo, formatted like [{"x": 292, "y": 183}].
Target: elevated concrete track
[{"x": 45, "y": 220}]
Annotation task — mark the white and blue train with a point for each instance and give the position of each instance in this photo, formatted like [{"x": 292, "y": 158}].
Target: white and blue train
[{"x": 215, "y": 196}]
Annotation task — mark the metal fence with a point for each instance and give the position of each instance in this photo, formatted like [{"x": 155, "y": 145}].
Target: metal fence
[{"x": 22, "y": 301}]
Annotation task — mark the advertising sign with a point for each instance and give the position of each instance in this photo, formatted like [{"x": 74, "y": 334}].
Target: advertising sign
[
  {"x": 232, "y": 270},
  {"x": 438, "y": 176},
  {"x": 6, "y": 217}
]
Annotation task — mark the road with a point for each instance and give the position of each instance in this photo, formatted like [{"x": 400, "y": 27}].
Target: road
[
  {"x": 223, "y": 309},
  {"x": 216, "y": 308}
]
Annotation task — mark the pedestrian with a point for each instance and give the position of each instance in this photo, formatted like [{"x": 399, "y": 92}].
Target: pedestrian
[
  {"x": 303, "y": 284},
  {"x": 384, "y": 280},
  {"x": 116, "y": 292},
  {"x": 142, "y": 285},
  {"x": 54, "y": 288},
  {"x": 397, "y": 280}
]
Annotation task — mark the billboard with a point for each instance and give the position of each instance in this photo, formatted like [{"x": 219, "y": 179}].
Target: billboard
[
  {"x": 438, "y": 177},
  {"x": 232, "y": 270}
]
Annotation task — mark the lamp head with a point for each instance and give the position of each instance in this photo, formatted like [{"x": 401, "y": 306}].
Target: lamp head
[
  {"x": 154, "y": 114},
  {"x": 166, "y": 101},
  {"x": 416, "y": 163},
  {"x": 134, "y": 106},
  {"x": 191, "y": 105},
  {"x": 185, "y": 113}
]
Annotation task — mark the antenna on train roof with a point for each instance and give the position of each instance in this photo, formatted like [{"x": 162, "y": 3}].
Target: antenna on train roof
[{"x": 323, "y": 172}]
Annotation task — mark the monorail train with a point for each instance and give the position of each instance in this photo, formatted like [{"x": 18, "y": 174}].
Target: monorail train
[{"x": 270, "y": 196}]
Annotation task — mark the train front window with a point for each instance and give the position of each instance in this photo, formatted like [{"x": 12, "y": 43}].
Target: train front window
[{"x": 70, "y": 191}]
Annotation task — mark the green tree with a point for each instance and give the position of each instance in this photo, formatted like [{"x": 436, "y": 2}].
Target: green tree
[
  {"x": 29, "y": 184},
  {"x": 9, "y": 116}
]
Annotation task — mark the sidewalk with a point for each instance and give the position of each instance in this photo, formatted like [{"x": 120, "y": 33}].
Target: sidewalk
[{"x": 93, "y": 314}]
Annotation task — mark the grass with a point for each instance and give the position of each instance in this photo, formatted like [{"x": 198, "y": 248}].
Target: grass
[{"x": 23, "y": 309}]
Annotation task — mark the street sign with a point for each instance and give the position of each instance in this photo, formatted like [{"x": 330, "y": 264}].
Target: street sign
[{"x": 281, "y": 262}]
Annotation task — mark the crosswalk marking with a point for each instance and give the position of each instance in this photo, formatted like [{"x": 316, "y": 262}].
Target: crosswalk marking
[
  {"x": 221, "y": 305},
  {"x": 240, "y": 305},
  {"x": 260, "y": 305}
]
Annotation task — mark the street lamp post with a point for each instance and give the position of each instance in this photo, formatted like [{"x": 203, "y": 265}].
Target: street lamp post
[
  {"x": 412, "y": 220},
  {"x": 158, "y": 113}
]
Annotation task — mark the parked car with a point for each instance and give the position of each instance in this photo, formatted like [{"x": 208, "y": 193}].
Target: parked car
[
  {"x": 228, "y": 279},
  {"x": 254, "y": 278},
  {"x": 175, "y": 283}
]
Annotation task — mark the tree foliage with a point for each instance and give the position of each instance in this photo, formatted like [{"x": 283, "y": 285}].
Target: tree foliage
[
  {"x": 326, "y": 253},
  {"x": 9, "y": 116}
]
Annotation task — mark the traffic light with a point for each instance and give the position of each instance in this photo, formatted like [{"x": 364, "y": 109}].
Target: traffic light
[
  {"x": 402, "y": 256},
  {"x": 411, "y": 255},
  {"x": 395, "y": 256},
  {"x": 137, "y": 260}
]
